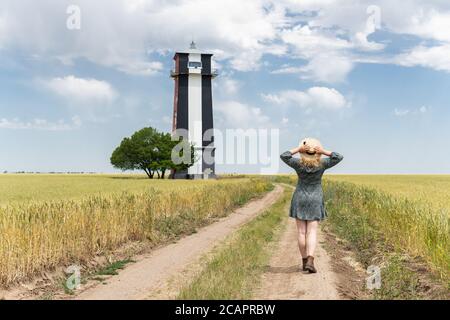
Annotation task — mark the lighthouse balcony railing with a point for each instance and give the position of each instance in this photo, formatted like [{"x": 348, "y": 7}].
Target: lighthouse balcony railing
[{"x": 173, "y": 73}]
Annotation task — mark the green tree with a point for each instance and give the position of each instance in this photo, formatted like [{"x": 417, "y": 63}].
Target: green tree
[
  {"x": 182, "y": 145},
  {"x": 150, "y": 151}
]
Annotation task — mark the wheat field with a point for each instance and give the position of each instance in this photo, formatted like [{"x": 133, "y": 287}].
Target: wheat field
[
  {"x": 434, "y": 190},
  {"x": 411, "y": 212},
  {"x": 52, "y": 220},
  {"x": 20, "y": 188}
]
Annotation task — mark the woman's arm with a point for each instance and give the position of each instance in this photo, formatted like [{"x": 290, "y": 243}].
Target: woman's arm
[
  {"x": 289, "y": 160},
  {"x": 333, "y": 157},
  {"x": 296, "y": 150}
]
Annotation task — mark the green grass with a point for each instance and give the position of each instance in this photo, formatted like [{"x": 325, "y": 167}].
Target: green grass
[
  {"x": 112, "y": 268},
  {"x": 398, "y": 281},
  {"x": 235, "y": 267}
]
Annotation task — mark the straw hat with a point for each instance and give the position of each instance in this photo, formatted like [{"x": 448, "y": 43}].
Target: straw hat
[{"x": 310, "y": 153}]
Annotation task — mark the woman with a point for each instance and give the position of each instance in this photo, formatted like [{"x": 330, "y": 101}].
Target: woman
[{"x": 307, "y": 204}]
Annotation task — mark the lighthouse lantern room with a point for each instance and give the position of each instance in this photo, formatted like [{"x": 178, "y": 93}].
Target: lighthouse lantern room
[{"x": 192, "y": 109}]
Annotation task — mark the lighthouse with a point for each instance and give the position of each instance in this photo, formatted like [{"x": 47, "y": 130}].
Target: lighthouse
[{"x": 192, "y": 109}]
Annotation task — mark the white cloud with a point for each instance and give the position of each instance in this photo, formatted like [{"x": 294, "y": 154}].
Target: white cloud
[
  {"x": 401, "y": 112},
  {"x": 437, "y": 57},
  {"x": 286, "y": 69},
  {"x": 230, "y": 86},
  {"x": 354, "y": 21},
  {"x": 328, "y": 68},
  {"x": 327, "y": 55},
  {"x": 127, "y": 35},
  {"x": 427, "y": 22},
  {"x": 313, "y": 98},
  {"x": 40, "y": 124},
  {"x": 141, "y": 68},
  {"x": 322, "y": 68},
  {"x": 81, "y": 89},
  {"x": 406, "y": 112},
  {"x": 121, "y": 33},
  {"x": 308, "y": 42},
  {"x": 240, "y": 115},
  {"x": 423, "y": 109}
]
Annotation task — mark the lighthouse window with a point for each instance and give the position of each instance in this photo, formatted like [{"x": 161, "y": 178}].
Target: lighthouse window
[{"x": 194, "y": 64}]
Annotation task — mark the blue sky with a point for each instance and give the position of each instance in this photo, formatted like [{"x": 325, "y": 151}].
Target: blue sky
[{"x": 370, "y": 79}]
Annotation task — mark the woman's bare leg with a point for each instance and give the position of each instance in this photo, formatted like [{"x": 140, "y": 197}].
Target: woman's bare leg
[
  {"x": 301, "y": 228},
  {"x": 311, "y": 237}
]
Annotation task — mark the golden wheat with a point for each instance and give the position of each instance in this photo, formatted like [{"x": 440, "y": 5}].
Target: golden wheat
[
  {"x": 411, "y": 212},
  {"x": 40, "y": 235}
]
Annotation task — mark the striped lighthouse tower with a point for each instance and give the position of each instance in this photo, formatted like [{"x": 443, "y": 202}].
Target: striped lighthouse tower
[{"x": 192, "y": 109}]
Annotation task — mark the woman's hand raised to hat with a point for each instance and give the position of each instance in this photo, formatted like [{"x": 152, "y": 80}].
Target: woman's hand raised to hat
[
  {"x": 302, "y": 148},
  {"x": 298, "y": 149},
  {"x": 320, "y": 150},
  {"x": 295, "y": 150}
]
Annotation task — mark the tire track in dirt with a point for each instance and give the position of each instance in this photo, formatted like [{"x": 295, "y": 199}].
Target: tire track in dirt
[{"x": 151, "y": 272}]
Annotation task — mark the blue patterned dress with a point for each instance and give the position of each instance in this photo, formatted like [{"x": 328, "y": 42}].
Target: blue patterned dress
[{"x": 307, "y": 201}]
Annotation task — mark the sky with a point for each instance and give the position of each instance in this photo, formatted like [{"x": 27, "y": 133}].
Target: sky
[{"x": 370, "y": 79}]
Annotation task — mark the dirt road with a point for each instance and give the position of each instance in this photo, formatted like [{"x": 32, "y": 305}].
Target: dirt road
[
  {"x": 283, "y": 278},
  {"x": 150, "y": 273},
  {"x": 163, "y": 272}
]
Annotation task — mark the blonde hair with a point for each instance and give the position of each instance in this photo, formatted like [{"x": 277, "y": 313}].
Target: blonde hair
[{"x": 310, "y": 162}]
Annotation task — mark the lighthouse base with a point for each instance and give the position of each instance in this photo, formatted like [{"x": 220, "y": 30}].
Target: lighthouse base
[
  {"x": 196, "y": 176},
  {"x": 179, "y": 175},
  {"x": 202, "y": 176}
]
